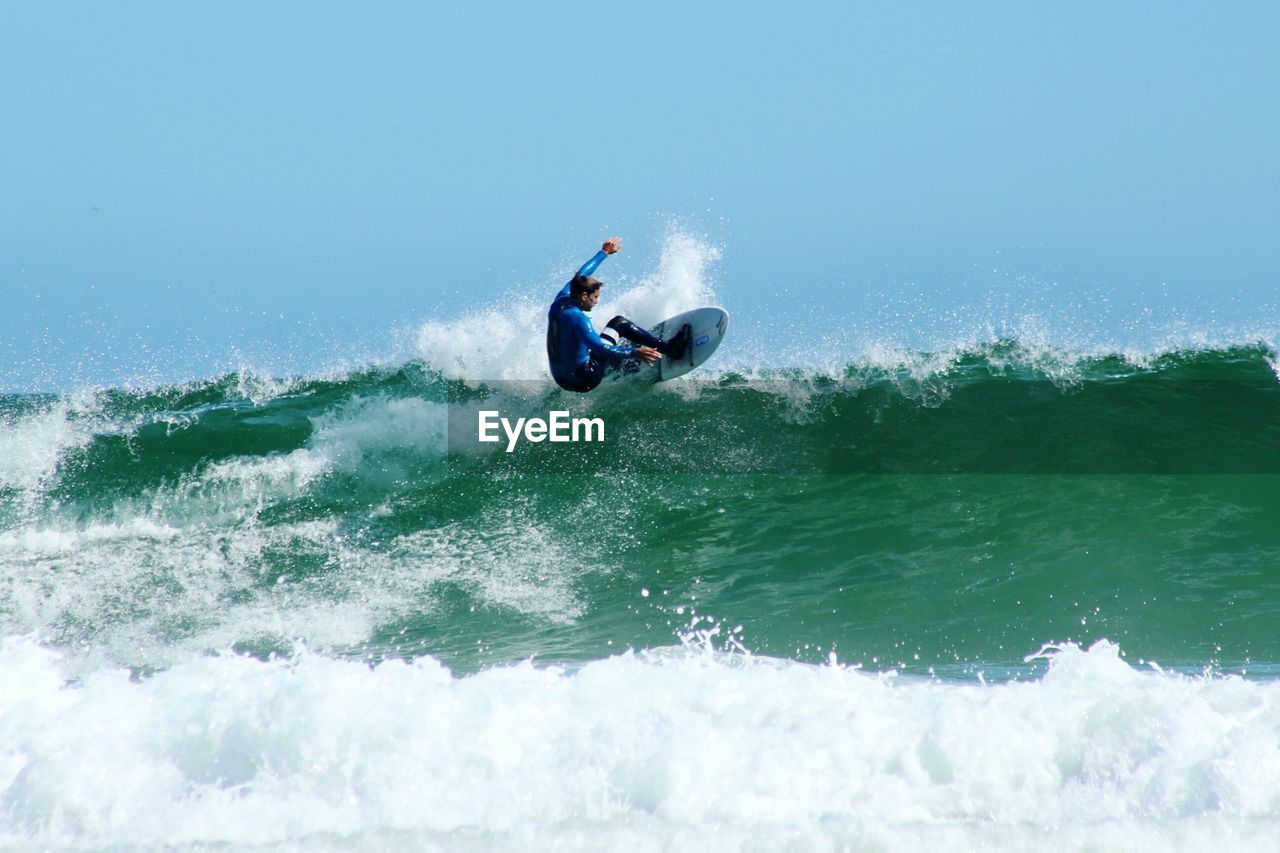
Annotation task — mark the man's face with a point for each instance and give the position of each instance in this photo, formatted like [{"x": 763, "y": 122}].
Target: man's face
[{"x": 587, "y": 301}]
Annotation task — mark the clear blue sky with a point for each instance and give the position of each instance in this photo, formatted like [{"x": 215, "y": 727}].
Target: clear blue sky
[{"x": 186, "y": 183}]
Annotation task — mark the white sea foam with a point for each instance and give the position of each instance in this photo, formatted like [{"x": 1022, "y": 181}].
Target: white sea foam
[
  {"x": 380, "y": 424},
  {"x": 32, "y": 445},
  {"x": 191, "y": 567},
  {"x": 640, "y": 751},
  {"x": 148, "y": 594}
]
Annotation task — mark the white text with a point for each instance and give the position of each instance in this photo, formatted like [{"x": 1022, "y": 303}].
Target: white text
[{"x": 558, "y": 427}]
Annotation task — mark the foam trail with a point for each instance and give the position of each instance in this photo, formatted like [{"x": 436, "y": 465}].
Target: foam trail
[{"x": 654, "y": 750}]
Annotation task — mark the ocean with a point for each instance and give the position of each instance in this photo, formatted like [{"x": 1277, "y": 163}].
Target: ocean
[{"x": 1006, "y": 594}]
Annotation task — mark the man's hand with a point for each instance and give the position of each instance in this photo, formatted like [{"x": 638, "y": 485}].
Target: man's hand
[
  {"x": 649, "y": 354},
  {"x": 612, "y": 245}
]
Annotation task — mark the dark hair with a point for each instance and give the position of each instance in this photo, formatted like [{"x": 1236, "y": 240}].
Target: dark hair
[{"x": 584, "y": 284}]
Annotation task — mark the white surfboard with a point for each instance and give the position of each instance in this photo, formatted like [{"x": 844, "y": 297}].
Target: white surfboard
[{"x": 707, "y": 327}]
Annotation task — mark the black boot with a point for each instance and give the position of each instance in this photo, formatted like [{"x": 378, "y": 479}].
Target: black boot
[{"x": 677, "y": 347}]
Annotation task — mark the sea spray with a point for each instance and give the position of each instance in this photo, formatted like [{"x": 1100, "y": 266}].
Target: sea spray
[{"x": 507, "y": 341}]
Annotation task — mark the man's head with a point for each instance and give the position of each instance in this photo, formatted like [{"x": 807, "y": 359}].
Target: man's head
[{"x": 585, "y": 291}]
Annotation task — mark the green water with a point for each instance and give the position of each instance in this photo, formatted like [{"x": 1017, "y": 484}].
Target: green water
[{"x": 950, "y": 522}]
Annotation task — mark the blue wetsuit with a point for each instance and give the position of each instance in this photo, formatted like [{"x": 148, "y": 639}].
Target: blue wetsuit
[{"x": 574, "y": 348}]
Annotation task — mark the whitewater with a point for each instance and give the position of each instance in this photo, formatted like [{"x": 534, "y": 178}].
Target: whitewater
[{"x": 1016, "y": 590}]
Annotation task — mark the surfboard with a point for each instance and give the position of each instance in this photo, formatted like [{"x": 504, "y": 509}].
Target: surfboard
[{"x": 707, "y": 327}]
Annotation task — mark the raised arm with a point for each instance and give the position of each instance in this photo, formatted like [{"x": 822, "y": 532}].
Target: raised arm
[
  {"x": 590, "y": 266},
  {"x": 612, "y": 245}
]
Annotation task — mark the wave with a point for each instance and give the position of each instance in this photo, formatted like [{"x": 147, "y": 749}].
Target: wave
[
  {"x": 1001, "y": 407},
  {"x": 309, "y": 611},
  {"x": 341, "y": 510}
]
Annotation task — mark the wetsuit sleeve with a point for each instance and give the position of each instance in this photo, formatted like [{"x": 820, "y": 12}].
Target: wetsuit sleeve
[
  {"x": 587, "y": 333},
  {"x": 590, "y": 266}
]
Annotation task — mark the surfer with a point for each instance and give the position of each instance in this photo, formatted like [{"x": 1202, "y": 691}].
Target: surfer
[{"x": 578, "y": 353}]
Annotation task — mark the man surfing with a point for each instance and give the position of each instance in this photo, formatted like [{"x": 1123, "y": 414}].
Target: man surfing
[{"x": 578, "y": 354}]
